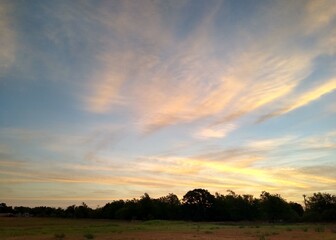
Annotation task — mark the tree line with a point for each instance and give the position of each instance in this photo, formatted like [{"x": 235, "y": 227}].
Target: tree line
[{"x": 197, "y": 205}]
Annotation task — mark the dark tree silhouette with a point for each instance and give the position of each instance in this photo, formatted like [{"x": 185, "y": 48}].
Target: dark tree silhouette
[
  {"x": 168, "y": 207},
  {"x": 110, "y": 209},
  {"x": 321, "y": 206},
  {"x": 234, "y": 207},
  {"x": 198, "y": 204},
  {"x": 275, "y": 208},
  {"x": 146, "y": 207},
  {"x": 297, "y": 208},
  {"x": 82, "y": 211},
  {"x": 5, "y": 209}
]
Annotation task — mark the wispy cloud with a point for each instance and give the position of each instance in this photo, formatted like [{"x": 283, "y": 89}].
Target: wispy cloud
[
  {"x": 162, "y": 77},
  {"x": 105, "y": 93},
  {"x": 319, "y": 14},
  {"x": 203, "y": 84},
  {"x": 72, "y": 147},
  {"x": 215, "y": 132},
  {"x": 139, "y": 67},
  {"x": 304, "y": 99},
  {"x": 270, "y": 144},
  {"x": 8, "y": 38},
  {"x": 251, "y": 168}
]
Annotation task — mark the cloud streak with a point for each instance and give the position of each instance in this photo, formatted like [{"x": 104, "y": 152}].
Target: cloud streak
[
  {"x": 7, "y": 39},
  {"x": 204, "y": 84},
  {"x": 249, "y": 168},
  {"x": 162, "y": 96},
  {"x": 215, "y": 132},
  {"x": 304, "y": 99}
]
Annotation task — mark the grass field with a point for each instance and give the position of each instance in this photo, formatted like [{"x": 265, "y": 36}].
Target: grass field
[{"x": 55, "y": 228}]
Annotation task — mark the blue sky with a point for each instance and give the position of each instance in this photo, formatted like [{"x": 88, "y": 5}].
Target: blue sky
[{"x": 102, "y": 100}]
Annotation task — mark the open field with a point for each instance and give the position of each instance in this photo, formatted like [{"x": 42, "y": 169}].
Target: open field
[{"x": 75, "y": 229}]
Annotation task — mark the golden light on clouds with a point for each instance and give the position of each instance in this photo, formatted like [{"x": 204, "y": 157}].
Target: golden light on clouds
[
  {"x": 305, "y": 98},
  {"x": 314, "y": 94},
  {"x": 126, "y": 97}
]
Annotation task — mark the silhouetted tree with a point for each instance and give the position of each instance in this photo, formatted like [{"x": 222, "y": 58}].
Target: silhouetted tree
[
  {"x": 82, "y": 211},
  {"x": 321, "y": 207},
  {"x": 221, "y": 208},
  {"x": 145, "y": 207},
  {"x": 70, "y": 211},
  {"x": 168, "y": 207},
  {"x": 129, "y": 211},
  {"x": 22, "y": 210},
  {"x": 234, "y": 207},
  {"x": 5, "y": 209},
  {"x": 110, "y": 209},
  {"x": 297, "y": 208},
  {"x": 275, "y": 208},
  {"x": 197, "y": 204},
  {"x": 43, "y": 211}
]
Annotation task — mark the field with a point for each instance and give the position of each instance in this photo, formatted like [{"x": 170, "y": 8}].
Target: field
[{"x": 76, "y": 229}]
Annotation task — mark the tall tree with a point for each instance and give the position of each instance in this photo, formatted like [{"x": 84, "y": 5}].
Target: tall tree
[
  {"x": 198, "y": 204},
  {"x": 321, "y": 206},
  {"x": 169, "y": 207},
  {"x": 274, "y": 207}
]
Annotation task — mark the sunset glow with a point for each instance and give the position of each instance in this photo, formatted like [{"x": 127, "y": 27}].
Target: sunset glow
[{"x": 104, "y": 100}]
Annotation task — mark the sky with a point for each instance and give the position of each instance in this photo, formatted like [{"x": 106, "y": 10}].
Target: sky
[{"x": 105, "y": 100}]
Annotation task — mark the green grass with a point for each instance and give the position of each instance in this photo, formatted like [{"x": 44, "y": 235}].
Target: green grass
[
  {"x": 15, "y": 227},
  {"x": 57, "y": 228}
]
